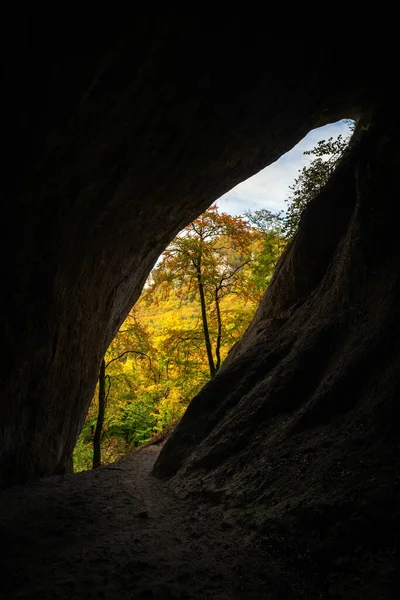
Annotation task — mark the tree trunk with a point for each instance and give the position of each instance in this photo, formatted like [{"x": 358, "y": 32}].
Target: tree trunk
[
  {"x": 100, "y": 416},
  {"x": 219, "y": 333},
  {"x": 205, "y": 326}
]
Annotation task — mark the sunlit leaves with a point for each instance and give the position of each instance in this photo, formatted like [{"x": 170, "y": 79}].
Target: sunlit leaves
[
  {"x": 157, "y": 362},
  {"x": 312, "y": 178}
]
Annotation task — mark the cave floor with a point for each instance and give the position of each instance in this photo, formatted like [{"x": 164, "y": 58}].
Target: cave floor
[{"x": 118, "y": 532}]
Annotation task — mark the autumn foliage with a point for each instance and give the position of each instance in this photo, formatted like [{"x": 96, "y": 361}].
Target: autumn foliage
[{"x": 197, "y": 302}]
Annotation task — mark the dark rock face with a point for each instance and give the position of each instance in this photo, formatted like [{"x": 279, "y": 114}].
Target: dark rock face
[
  {"x": 121, "y": 132},
  {"x": 298, "y": 433}
]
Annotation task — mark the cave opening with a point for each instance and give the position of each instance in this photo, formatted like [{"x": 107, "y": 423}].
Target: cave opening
[{"x": 200, "y": 298}]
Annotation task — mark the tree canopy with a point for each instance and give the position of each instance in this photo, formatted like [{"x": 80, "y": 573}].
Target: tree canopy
[{"x": 312, "y": 178}]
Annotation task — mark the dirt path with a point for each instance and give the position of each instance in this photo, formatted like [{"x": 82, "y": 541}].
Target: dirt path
[{"x": 118, "y": 532}]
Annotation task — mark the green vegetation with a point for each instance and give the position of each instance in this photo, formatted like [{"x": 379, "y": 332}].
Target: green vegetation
[
  {"x": 312, "y": 179},
  {"x": 197, "y": 303}
]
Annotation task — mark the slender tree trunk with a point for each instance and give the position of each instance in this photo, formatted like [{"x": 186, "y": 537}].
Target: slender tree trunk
[
  {"x": 205, "y": 326},
  {"x": 100, "y": 416},
  {"x": 219, "y": 333}
]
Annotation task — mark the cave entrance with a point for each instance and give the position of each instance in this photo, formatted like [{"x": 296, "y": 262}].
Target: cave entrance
[{"x": 199, "y": 300}]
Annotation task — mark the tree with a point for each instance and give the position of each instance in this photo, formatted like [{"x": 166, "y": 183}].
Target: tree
[
  {"x": 207, "y": 255},
  {"x": 102, "y": 398},
  {"x": 271, "y": 231},
  {"x": 102, "y": 402},
  {"x": 313, "y": 178}
]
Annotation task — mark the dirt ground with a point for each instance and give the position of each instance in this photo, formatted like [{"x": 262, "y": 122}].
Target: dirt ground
[{"x": 118, "y": 532}]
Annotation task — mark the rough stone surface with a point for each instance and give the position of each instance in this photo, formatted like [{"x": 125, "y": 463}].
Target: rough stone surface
[
  {"x": 298, "y": 432},
  {"x": 118, "y": 532}
]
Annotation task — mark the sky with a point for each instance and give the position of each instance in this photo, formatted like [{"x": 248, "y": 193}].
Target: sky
[{"x": 270, "y": 187}]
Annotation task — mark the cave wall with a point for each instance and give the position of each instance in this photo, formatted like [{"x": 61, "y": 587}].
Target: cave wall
[
  {"x": 333, "y": 288},
  {"x": 120, "y": 132},
  {"x": 296, "y": 438}
]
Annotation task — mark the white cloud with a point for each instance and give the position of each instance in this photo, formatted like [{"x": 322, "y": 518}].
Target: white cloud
[{"x": 270, "y": 187}]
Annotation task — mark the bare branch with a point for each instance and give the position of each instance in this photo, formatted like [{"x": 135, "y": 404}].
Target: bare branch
[{"x": 140, "y": 354}]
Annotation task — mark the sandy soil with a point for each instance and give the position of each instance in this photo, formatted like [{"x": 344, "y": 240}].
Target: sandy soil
[{"x": 118, "y": 532}]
